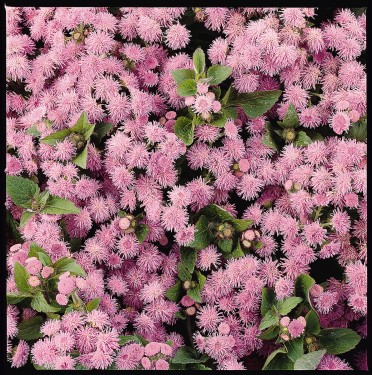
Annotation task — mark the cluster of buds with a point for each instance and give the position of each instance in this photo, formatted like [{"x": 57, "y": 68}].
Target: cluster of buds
[
  {"x": 291, "y": 186},
  {"x": 169, "y": 120},
  {"x": 155, "y": 356},
  {"x": 250, "y": 237},
  {"x": 225, "y": 231},
  {"x": 127, "y": 223},
  {"x": 79, "y": 33},
  {"x": 289, "y": 135},
  {"x": 78, "y": 140},
  {"x": 199, "y": 14},
  {"x": 241, "y": 167},
  {"x": 291, "y": 329},
  {"x": 37, "y": 271},
  {"x": 189, "y": 304},
  {"x": 66, "y": 286}
]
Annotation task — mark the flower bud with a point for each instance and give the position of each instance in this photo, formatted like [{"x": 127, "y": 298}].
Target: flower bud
[
  {"x": 190, "y": 311},
  {"x": 34, "y": 281},
  {"x": 249, "y": 235},
  {"x": 289, "y": 135},
  {"x": 186, "y": 285},
  {"x": 284, "y": 321},
  {"x": 247, "y": 244},
  {"x": 124, "y": 223},
  {"x": 284, "y": 337}
]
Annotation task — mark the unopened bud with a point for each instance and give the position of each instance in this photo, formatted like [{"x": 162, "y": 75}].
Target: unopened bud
[
  {"x": 257, "y": 233},
  {"x": 227, "y": 232},
  {"x": 309, "y": 340},
  {"x": 193, "y": 284},
  {"x": 296, "y": 186},
  {"x": 247, "y": 244},
  {"x": 289, "y": 135},
  {"x": 124, "y": 223},
  {"x": 197, "y": 305},
  {"x": 190, "y": 311},
  {"x": 186, "y": 285}
]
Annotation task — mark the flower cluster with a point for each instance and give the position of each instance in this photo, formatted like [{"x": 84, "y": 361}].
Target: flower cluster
[{"x": 176, "y": 203}]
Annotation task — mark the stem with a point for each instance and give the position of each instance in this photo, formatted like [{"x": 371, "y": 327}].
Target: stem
[
  {"x": 189, "y": 330},
  {"x": 316, "y": 94},
  {"x": 317, "y": 212}
]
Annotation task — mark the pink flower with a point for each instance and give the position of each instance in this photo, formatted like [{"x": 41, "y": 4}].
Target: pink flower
[
  {"x": 296, "y": 327},
  {"x": 61, "y": 299},
  {"x": 161, "y": 365},
  {"x": 146, "y": 363},
  {"x": 34, "y": 281},
  {"x": 284, "y": 322},
  {"x": 46, "y": 272},
  {"x": 340, "y": 122},
  {"x": 33, "y": 266},
  {"x": 152, "y": 348}
]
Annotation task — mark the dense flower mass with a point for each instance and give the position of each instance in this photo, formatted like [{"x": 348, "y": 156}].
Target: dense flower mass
[{"x": 186, "y": 188}]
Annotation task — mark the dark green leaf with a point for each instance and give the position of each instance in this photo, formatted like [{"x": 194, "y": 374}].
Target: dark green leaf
[
  {"x": 309, "y": 361},
  {"x": 270, "y": 333},
  {"x": 101, "y": 129},
  {"x": 288, "y": 304},
  {"x": 88, "y": 132},
  {"x": 131, "y": 338},
  {"x": 43, "y": 198},
  {"x": 302, "y": 139},
  {"x": 199, "y": 61},
  {"x": 215, "y": 212},
  {"x": 290, "y": 119},
  {"x": 21, "y": 190},
  {"x": 174, "y": 293},
  {"x": 194, "y": 294},
  {"x": 186, "y": 355},
  {"x": 21, "y": 277},
  {"x": 278, "y": 360},
  {"x": 303, "y": 285},
  {"x": 269, "y": 141},
  {"x": 199, "y": 366},
  {"x": 52, "y": 315},
  {"x": 14, "y": 298},
  {"x": 202, "y": 236},
  {"x": 56, "y": 205},
  {"x": 143, "y": 341},
  {"x": 187, "y": 88},
  {"x": 180, "y": 315},
  {"x": 236, "y": 253},
  {"x": 201, "y": 279},
  {"x": 12, "y": 225},
  {"x": 183, "y": 273},
  {"x": 81, "y": 158},
  {"x": 141, "y": 231},
  {"x": 240, "y": 224},
  {"x": 229, "y": 97},
  {"x": 54, "y": 138},
  {"x": 30, "y": 329},
  {"x": 312, "y": 323},
  {"x": 188, "y": 258},
  {"x": 217, "y": 92},
  {"x": 225, "y": 245},
  {"x": 257, "y": 103},
  {"x": 40, "y": 304},
  {"x": 82, "y": 125},
  {"x": 338, "y": 340},
  {"x": 269, "y": 320},
  {"x": 268, "y": 300},
  {"x": 218, "y": 73},
  {"x": 184, "y": 129},
  {"x": 26, "y": 216},
  {"x": 180, "y": 75},
  {"x": 68, "y": 264},
  {"x": 93, "y": 304},
  {"x": 358, "y": 131},
  {"x": 295, "y": 348}
]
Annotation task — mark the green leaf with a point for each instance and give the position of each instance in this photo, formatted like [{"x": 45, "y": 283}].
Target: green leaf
[
  {"x": 43, "y": 198},
  {"x": 141, "y": 231},
  {"x": 201, "y": 279},
  {"x": 40, "y": 304},
  {"x": 54, "y": 138},
  {"x": 82, "y": 126},
  {"x": 38, "y": 252},
  {"x": 270, "y": 333},
  {"x": 186, "y": 355},
  {"x": 312, "y": 323},
  {"x": 188, "y": 258},
  {"x": 184, "y": 129},
  {"x": 81, "y": 158},
  {"x": 183, "y": 273},
  {"x": 290, "y": 119},
  {"x": 93, "y": 304},
  {"x": 14, "y": 298},
  {"x": 255, "y": 104},
  {"x": 268, "y": 140},
  {"x": 68, "y": 264},
  {"x": 338, "y": 340},
  {"x": 56, "y": 205},
  {"x": 44, "y": 259},
  {"x": 180, "y": 315},
  {"x": 309, "y": 361},
  {"x": 131, "y": 338},
  {"x": 12, "y": 226},
  {"x": 219, "y": 120},
  {"x": 30, "y": 329},
  {"x": 278, "y": 360},
  {"x": 217, "y": 92},
  {"x": 295, "y": 348},
  {"x": 288, "y": 304},
  {"x": 187, "y": 88},
  {"x": 202, "y": 237},
  {"x": 358, "y": 131},
  {"x": 26, "y": 216},
  {"x": 101, "y": 129},
  {"x": 215, "y": 212},
  {"x": 194, "y": 294},
  {"x": 180, "y": 75},
  {"x": 21, "y": 277},
  {"x": 225, "y": 245},
  {"x": 199, "y": 61},
  {"x": 21, "y": 190},
  {"x": 33, "y": 131},
  {"x": 229, "y": 97},
  {"x": 141, "y": 339},
  {"x": 240, "y": 224},
  {"x": 88, "y": 132},
  {"x": 199, "y": 366},
  {"x": 218, "y": 73},
  {"x": 269, "y": 320},
  {"x": 268, "y": 300},
  {"x": 303, "y": 285},
  {"x": 174, "y": 293},
  {"x": 302, "y": 139},
  {"x": 53, "y": 316},
  {"x": 237, "y": 253}
]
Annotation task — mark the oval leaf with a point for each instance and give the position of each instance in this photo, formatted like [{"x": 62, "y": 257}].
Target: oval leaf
[
  {"x": 187, "y": 88},
  {"x": 21, "y": 190},
  {"x": 218, "y": 73},
  {"x": 309, "y": 361},
  {"x": 202, "y": 237},
  {"x": 180, "y": 75},
  {"x": 338, "y": 340},
  {"x": 198, "y": 59},
  {"x": 21, "y": 277},
  {"x": 184, "y": 129},
  {"x": 56, "y": 206},
  {"x": 30, "y": 329},
  {"x": 288, "y": 304}
]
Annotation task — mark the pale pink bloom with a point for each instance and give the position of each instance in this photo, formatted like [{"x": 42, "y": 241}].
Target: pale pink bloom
[
  {"x": 61, "y": 299},
  {"x": 284, "y": 322},
  {"x": 34, "y": 281},
  {"x": 331, "y": 362}
]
